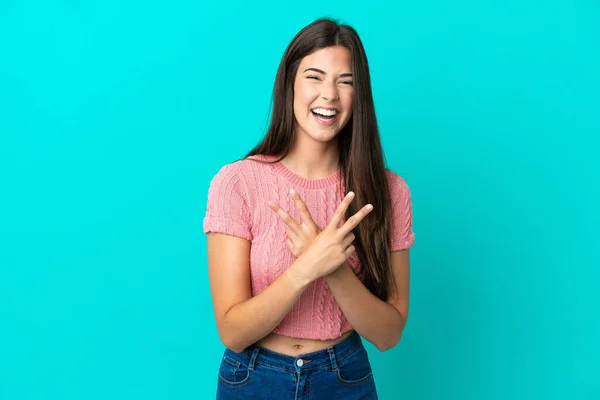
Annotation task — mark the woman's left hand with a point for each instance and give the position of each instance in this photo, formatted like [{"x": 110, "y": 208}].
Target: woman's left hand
[{"x": 300, "y": 236}]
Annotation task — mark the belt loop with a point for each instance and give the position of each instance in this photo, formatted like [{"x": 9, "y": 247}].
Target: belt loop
[
  {"x": 253, "y": 358},
  {"x": 334, "y": 365}
]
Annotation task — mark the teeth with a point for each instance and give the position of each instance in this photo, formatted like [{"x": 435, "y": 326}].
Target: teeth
[{"x": 327, "y": 113}]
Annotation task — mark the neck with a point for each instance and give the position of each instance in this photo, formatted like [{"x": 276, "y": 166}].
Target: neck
[{"x": 312, "y": 159}]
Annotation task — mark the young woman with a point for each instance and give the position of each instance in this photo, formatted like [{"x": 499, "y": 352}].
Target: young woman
[{"x": 308, "y": 235}]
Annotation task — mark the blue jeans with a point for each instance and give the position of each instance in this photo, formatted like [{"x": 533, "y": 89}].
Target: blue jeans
[{"x": 342, "y": 371}]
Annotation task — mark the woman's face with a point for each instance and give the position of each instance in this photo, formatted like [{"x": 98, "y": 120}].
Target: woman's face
[{"x": 323, "y": 93}]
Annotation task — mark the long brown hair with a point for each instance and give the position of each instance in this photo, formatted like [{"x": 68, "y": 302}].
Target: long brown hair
[{"x": 361, "y": 155}]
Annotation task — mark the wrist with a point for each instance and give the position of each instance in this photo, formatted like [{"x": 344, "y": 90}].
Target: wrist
[
  {"x": 337, "y": 274},
  {"x": 297, "y": 275}
]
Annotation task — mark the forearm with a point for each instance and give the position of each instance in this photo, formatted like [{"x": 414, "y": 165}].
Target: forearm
[
  {"x": 249, "y": 321},
  {"x": 376, "y": 320}
]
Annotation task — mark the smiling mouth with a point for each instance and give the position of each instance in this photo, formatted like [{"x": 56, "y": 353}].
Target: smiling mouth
[{"x": 325, "y": 117}]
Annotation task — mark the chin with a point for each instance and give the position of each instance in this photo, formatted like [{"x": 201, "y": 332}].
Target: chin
[{"x": 322, "y": 136}]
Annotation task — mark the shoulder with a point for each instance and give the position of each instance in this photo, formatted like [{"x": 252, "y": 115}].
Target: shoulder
[
  {"x": 227, "y": 175},
  {"x": 242, "y": 178},
  {"x": 239, "y": 169},
  {"x": 397, "y": 184}
]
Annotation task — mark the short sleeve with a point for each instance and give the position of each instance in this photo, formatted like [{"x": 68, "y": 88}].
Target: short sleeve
[
  {"x": 227, "y": 207},
  {"x": 402, "y": 235}
]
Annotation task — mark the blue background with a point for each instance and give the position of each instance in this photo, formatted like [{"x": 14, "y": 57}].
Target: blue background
[{"x": 114, "y": 116}]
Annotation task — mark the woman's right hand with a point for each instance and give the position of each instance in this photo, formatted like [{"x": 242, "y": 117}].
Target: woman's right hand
[{"x": 331, "y": 247}]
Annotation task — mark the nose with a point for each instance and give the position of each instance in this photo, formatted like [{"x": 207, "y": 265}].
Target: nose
[{"x": 329, "y": 92}]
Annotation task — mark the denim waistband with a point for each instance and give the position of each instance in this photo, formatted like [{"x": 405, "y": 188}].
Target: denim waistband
[{"x": 328, "y": 357}]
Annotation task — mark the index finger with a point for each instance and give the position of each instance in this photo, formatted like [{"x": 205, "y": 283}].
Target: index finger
[
  {"x": 340, "y": 211},
  {"x": 354, "y": 220},
  {"x": 285, "y": 217},
  {"x": 304, "y": 213}
]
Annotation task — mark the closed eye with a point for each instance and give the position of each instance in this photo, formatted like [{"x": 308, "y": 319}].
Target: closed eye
[{"x": 349, "y": 83}]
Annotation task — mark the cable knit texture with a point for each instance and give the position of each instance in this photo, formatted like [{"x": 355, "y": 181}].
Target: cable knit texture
[{"x": 237, "y": 205}]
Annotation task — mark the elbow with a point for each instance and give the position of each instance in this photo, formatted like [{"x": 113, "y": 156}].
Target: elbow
[
  {"x": 389, "y": 342},
  {"x": 230, "y": 335},
  {"x": 233, "y": 345},
  {"x": 385, "y": 346},
  {"x": 232, "y": 342},
  {"x": 232, "y": 338},
  {"x": 236, "y": 348}
]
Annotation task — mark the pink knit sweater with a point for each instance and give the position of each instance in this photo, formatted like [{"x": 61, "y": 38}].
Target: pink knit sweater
[{"x": 237, "y": 205}]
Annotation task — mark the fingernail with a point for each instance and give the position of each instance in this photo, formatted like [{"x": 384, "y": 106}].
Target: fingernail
[
  {"x": 292, "y": 191},
  {"x": 350, "y": 194},
  {"x": 369, "y": 206},
  {"x": 269, "y": 203}
]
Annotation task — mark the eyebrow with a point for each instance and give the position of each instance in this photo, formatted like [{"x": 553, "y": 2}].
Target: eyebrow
[{"x": 323, "y": 72}]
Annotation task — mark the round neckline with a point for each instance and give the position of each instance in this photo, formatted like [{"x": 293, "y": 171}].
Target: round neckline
[
  {"x": 320, "y": 183},
  {"x": 301, "y": 181}
]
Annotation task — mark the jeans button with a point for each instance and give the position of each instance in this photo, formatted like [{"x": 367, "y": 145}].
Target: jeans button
[{"x": 300, "y": 363}]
